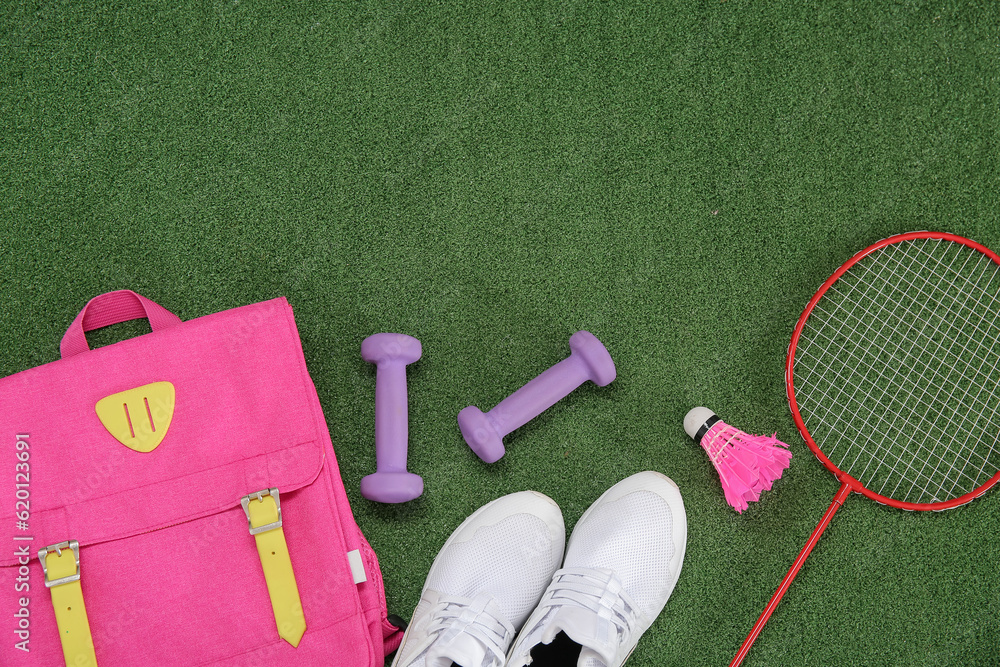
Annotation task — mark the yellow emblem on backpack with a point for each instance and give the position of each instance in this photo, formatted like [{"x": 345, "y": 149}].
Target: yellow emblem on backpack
[{"x": 140, "y": 417}]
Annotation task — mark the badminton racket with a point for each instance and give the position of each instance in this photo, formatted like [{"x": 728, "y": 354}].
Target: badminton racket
[{"x": 892, "y": 377}]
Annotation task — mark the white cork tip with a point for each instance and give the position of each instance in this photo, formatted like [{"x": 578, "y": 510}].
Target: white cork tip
[{"x": 695, "y": 419}]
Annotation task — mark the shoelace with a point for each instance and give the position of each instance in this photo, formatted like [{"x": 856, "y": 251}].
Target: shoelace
[
  {"x": 478, "y": 617},
  {"x": 599, "y": 591}
]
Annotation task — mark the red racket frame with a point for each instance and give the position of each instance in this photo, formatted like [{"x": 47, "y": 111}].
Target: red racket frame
[{"x": 849, "y": 484}]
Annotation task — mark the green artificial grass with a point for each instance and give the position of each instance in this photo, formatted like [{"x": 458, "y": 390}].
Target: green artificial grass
[{"x": 675, "y": 177}]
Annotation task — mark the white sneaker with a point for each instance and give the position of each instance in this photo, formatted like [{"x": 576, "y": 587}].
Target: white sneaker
[
  {"x": 622, "y": 563},
  {"x": 485, "y": 581}
]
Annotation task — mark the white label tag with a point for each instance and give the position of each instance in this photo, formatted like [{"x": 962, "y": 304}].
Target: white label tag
[{"x": 357, "y": 566}]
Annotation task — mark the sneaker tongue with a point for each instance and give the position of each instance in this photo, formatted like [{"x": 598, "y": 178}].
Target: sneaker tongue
[
  {"x": 596, "y": 635},
  {"x": 462, "y": 650}
]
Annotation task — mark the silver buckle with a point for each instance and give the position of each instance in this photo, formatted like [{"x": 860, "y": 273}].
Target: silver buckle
[
  {"x": 245, "y": 502},
  {"x": 69, "y": 544}
]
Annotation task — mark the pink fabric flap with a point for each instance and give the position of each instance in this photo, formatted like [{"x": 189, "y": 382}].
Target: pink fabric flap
[{"x": 242, "y": 422}]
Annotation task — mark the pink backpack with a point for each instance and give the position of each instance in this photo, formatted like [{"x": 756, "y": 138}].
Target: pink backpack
[{"x": 183, "y": 493}]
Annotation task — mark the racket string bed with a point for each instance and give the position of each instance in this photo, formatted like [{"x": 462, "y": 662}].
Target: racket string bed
[
  {"x": 840, "y": 337},
  {"x": 932, "y": 416},
  {"x": 948, "y": 456},
  {"x": 933, "y": 454},
  {"x": 882, "y": 376}
]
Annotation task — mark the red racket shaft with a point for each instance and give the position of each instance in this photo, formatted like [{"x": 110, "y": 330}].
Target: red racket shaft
[{"x": 838, "y": 500}]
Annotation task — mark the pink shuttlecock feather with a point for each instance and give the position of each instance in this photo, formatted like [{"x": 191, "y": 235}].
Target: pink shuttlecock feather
[{"x": 747, "y": 464}]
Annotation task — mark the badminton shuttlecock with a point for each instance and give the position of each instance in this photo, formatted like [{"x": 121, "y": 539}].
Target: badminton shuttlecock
[{"x": 747, "y": 464}]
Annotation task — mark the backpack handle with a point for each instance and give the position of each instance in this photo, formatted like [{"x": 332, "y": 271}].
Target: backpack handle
[{"x": 113, "y": 308}]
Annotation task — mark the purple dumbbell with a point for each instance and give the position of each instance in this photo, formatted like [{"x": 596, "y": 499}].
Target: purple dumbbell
[
  {"x": 589, "y": 360},
  {"x": 391, "y": 483}
]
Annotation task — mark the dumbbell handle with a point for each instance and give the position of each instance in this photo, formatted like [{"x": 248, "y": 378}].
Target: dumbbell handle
[
  {"x": 391, "y": 417},
  {"x": 538, "y": 395}
]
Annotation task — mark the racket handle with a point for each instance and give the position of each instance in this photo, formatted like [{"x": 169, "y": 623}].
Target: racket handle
[{"x": 838, "y": 500}]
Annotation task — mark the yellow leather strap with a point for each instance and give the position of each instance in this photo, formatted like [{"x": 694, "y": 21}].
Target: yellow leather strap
[
  {"x": 61, "y": 563},
  {"x": 264, "y": 511}
]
